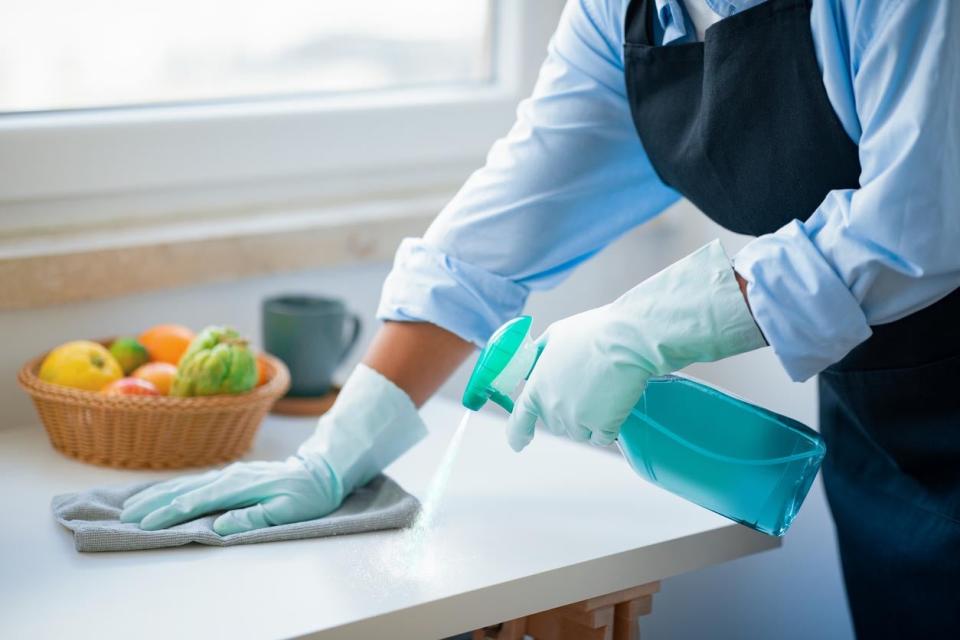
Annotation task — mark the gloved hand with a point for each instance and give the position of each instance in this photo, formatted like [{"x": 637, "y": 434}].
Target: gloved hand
[
  {"x": 595, "y": 365},
  {"x": 371, "y": 424}
]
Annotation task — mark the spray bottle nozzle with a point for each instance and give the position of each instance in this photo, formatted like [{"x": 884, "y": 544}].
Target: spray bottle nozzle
[{"x": 507, "y": 359}]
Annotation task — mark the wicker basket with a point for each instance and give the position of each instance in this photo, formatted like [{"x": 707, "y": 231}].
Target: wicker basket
[{"x": 150, "y": 432}]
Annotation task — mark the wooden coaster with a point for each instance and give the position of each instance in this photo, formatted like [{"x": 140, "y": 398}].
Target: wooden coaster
[{"x": 305, "y": 406}]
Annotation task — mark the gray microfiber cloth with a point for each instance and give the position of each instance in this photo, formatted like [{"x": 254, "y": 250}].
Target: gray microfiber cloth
[{"x": 94, "y": 518}]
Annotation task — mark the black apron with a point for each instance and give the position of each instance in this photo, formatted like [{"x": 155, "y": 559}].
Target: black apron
[{"x": 741, "y": 125}]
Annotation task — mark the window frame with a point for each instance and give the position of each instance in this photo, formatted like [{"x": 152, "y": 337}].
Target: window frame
[{"x": 101, "y": 167}]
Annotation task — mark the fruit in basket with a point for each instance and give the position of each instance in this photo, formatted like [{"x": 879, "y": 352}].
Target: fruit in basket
[
  {"x": 159, "y": 374},
  {"x": 81, "y": 364},
  {"x": 217, "y": 361},
  {"x": 167, "y": 342},
  {"x": 263, "y": 371},
  {"x": 130, "y": 387},
  {"x": 129, "y": 353}
]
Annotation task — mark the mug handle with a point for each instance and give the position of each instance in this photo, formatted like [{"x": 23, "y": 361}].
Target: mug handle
[{"x": 354, "y": 335}]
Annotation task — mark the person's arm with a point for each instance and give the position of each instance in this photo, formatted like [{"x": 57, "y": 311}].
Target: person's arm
[
  {"x": 569, "y": 177},
  {"x": 872, "y": 255},
  {"x": 416, "y": 356},
  {"x": 593, "y": 367}
]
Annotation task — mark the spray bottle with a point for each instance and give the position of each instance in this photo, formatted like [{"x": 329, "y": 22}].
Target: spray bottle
[{"x": 737, "y": 459}]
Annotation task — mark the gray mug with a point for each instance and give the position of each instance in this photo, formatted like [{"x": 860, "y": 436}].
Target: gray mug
[{"x": 312, "y": 335}]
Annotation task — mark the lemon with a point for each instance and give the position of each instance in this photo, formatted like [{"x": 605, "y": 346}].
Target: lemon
[{"x": 80, "y": 364}]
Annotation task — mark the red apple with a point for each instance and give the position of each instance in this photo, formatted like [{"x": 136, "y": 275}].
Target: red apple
[{"x": 130, "y": 387}]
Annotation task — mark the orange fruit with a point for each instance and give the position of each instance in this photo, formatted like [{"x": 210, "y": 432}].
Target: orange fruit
[
  {"x": 130, "y": 387},
  {"x": 166, "y": 342},
  {"x": 159, "y": 374},
  {"x": 262, "y": 370}
]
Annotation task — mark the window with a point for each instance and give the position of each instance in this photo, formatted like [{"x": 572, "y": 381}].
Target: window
[
  {"x": 128, "y": 110},
  {"x": 56, "y": 54}
]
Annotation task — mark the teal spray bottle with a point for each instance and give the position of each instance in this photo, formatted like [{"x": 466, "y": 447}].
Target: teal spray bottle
[{"x": 737, "y": 459}]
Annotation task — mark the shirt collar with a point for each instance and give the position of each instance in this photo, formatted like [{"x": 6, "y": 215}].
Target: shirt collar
[
  {"x": 672, "y": 19},
  {"x": 726, "y": 8}
]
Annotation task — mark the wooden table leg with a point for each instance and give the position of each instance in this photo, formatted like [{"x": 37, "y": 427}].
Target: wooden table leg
[
  {"x": 626, "y": 617},
  {"x": 509, "y": 630},
  {"x": 610, "y": 617}
]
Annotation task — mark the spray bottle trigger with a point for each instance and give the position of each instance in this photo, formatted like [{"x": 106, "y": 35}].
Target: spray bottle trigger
[{"x": 502, "y": 399}]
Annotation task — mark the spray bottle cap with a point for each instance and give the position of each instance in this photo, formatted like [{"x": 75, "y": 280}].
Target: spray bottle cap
[{"x": 507, "y": 359}]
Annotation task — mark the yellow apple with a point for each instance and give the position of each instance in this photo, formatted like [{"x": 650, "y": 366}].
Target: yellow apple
[{"x": 81, "y": 364}]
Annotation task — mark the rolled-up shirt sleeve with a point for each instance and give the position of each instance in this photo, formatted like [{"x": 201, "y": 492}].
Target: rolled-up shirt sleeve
[
  {"x": 569, "y": 177},
  {"x": 875, "y": 254}
]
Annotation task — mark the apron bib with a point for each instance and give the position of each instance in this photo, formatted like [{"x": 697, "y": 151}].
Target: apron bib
[{"x": 742, "y": 126}]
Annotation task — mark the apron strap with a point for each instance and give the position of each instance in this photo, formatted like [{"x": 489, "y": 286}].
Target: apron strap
[{"x": 639, "y": 23}]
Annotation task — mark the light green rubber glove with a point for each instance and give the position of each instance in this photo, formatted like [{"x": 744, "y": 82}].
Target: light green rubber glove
[
  {"x": 595, "y": 365},
  {"x": 371, "y": 424}
]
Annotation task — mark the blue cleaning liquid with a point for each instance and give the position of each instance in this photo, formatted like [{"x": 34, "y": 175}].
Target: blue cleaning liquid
[{"x": 739, "y": 460}]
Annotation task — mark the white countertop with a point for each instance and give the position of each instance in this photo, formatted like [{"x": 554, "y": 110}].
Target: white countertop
[{"x": 515, "y": 534}]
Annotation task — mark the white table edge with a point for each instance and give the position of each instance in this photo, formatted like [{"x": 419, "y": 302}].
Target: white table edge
[{"x": 498, "y": 603}]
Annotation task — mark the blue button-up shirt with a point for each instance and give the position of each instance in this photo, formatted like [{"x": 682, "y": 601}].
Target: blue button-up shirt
[{"x": 571, "y": 176}]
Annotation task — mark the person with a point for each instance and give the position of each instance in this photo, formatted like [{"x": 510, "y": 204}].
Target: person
[{"x": 830, "y": 131}]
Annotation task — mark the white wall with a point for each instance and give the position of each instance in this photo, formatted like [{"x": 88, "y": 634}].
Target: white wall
[{"x": 794, "y": 592}]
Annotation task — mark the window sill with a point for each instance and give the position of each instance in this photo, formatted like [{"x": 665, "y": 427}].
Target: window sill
[{"x": 73, "y": 266}]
